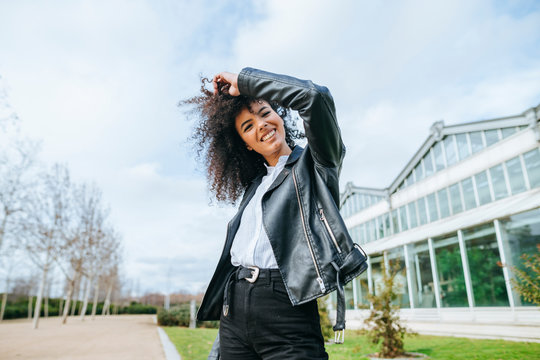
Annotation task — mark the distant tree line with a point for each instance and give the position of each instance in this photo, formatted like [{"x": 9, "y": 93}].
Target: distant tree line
[{"x": 52, "y": 230}]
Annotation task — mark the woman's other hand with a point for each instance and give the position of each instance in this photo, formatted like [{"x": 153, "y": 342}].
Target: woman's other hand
[{"x": 226, "y": 82}]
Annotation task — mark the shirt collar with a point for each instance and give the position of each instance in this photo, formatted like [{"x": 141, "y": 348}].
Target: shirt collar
[{"x": 281, "y": 163}]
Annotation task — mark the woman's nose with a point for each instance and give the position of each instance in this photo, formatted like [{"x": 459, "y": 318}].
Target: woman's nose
[{"x": 261, "y": 124}]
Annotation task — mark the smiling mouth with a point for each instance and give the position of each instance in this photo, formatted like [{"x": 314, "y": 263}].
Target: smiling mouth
[{"x": 268, "y": 136}]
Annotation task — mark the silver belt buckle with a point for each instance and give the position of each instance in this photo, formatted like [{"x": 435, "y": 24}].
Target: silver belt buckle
[{"x": 254, "y": 274}]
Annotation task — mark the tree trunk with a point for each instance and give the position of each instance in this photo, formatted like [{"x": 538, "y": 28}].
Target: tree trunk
[
  {"x": 46, "y": 306},
  {"x": 86, "y": 295},
  {"x": 74, "y": 293},
  {"x": 4, "y": 299},
  {"x": 61, "y": 307},
  {"x": 39, "y": 298},
  {"x": 75, "y": 296},
  {"x": 68, "y": 300},
  {"x": 3, "y": 309},
  {"x": 96, "y": 298},
  {"x": 30, "y": 300},
  {"x": 107, "y": 303},
  {"x": 82, "y": 290}
]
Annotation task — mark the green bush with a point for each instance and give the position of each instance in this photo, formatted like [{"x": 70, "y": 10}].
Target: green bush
[
  {"x": 135, "y": 308},
  {"x": 179, "y": 315},
  {"x": 326, "y": 325},
  {"x": 176, "y": 316}
]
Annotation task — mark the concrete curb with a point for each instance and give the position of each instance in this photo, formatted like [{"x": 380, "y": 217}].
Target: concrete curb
[{"x": 168, "y": 347}]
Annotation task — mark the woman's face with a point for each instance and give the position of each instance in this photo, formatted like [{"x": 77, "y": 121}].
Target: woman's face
[{"x": 262, "y": 130}]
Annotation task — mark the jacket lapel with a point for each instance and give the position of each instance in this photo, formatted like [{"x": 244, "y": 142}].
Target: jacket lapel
[{"x": 297, "y": 151}]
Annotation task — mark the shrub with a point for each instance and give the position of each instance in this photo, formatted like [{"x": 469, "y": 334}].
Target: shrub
[
  {"x": 135, "y": 308},
  {"x": 384, "y": 324},
  {"x": 176, "y": 316},
  {"x": 326, "y": 324},
  {"x": 527, "y": 281}
]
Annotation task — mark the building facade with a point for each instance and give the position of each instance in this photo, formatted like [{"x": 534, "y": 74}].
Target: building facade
[{"x": 465, "y": 204}]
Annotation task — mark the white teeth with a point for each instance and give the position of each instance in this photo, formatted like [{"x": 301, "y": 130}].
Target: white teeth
[{"x": 269, "y": 135}]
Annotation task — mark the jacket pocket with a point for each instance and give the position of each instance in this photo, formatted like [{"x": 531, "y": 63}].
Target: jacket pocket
[{"x": 323, "y": 219}]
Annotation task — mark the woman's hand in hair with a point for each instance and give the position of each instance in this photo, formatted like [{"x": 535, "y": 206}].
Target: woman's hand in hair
[{"x": 226, "y": 82}]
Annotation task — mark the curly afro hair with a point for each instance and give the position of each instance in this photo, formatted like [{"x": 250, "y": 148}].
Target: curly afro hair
[{"x": 230, "y": 166}]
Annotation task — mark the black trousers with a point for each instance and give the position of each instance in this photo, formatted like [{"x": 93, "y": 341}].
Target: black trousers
[{"x": 262, "y": 324}]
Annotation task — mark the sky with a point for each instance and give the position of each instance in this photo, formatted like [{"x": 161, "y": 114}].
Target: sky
[{"x": 98, "y": 83}]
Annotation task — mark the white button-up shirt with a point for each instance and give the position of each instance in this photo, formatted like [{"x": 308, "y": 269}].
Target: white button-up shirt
[{"x": 251, "y": 246}]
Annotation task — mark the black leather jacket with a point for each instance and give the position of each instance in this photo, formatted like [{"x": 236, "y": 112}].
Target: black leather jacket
[{"x": 314, "y": 252}]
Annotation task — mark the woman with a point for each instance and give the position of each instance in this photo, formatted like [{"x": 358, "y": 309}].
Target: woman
[{"x": 287, "y": 245}]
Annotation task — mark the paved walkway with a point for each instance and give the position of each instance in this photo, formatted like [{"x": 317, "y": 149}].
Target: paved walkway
[{"x": 114, "y": 337}]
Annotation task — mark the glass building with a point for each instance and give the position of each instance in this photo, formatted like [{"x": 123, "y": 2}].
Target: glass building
[{"x": 455, "y": 220}]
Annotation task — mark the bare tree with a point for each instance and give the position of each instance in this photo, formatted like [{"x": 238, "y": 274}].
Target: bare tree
[
  {"x": 105, "y": 253},
  {"x": 43, "y": 224},
  {"x": 83, "y": 236}
]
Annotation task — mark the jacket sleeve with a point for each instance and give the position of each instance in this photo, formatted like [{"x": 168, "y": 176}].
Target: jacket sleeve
[{"x": 314, "y": 104}]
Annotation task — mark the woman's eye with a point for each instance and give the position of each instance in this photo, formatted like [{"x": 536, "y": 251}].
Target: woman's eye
[
  {"x": 266, "y": 114},
  {"x": 248, "y": 127}
]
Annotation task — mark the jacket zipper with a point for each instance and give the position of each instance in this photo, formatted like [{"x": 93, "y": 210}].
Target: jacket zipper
[
  {"x": 327, "y": 225},
  {"x": 319, "y": 278}
]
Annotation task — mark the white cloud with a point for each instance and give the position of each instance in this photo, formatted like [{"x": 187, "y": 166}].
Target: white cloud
[{"x": 99, "y": 83}]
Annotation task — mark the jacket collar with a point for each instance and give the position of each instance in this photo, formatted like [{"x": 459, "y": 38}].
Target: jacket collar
[{"x": 293, "y": 157}]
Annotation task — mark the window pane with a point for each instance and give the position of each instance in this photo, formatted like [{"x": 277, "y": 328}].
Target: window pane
[
  {"x": 482, "y": 187},
  {"x": 419, "y": 171},
  {"x": 487, "y": 278},
  {"x": 362, "y": 290},
  {"x": 380, "y": 224},
  {"x": 498, "y": 182},
  {"x": 462, "y": 145},
  {"x": 355, "y": 234},
  {"x": 395, "y": 223},
  {"x": 492, "y": 136},
  {"x": 476, "y": 141},
  {"x": 438, "y": 154},
  {"x": 412, "y": 214},
  {"x": 396, "y": 260},
  {"x": 373, "y": 230},
  {"x": 363, "y": 234},
  {"x": 506, "y": 132},
  {"x": 387, "y": 229},
  {"x": 428, "y": 164},
  {"x": 468, "y": 193},
  {"x": 450, "y": 272},
  {"x": 444, "y": 206},
  {"x": 422, "y": 285},
  {"x": 432, "y": 206},
  {"x": 450, "y": 148},
  {"x": 376, "y": 274},
  {"x": 515, "y": 175},
  {"x": 403, "y": 218},
  {"x": 409, "y": 180},
  {"x": 520, "y": 235},
  {"x": 532, "y": 163},
  {"x": 455, "y": 198},
  {"x": 422, "y": 213}
]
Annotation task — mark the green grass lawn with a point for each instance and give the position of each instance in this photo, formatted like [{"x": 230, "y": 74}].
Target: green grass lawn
[{"x": 195, "y": 344}]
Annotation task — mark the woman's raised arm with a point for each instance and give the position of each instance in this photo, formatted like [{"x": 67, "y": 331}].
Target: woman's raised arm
[{"x": 313, "y": 102}]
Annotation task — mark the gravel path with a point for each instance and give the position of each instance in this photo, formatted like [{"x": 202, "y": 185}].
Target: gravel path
[{"x": 113, "y": 337}]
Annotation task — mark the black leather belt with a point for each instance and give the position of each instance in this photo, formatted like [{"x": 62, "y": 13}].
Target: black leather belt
[{"x": 250, "y": 274}]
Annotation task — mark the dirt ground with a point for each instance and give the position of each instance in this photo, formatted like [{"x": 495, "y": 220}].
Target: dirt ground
[{"x": 113, "y": 337}]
